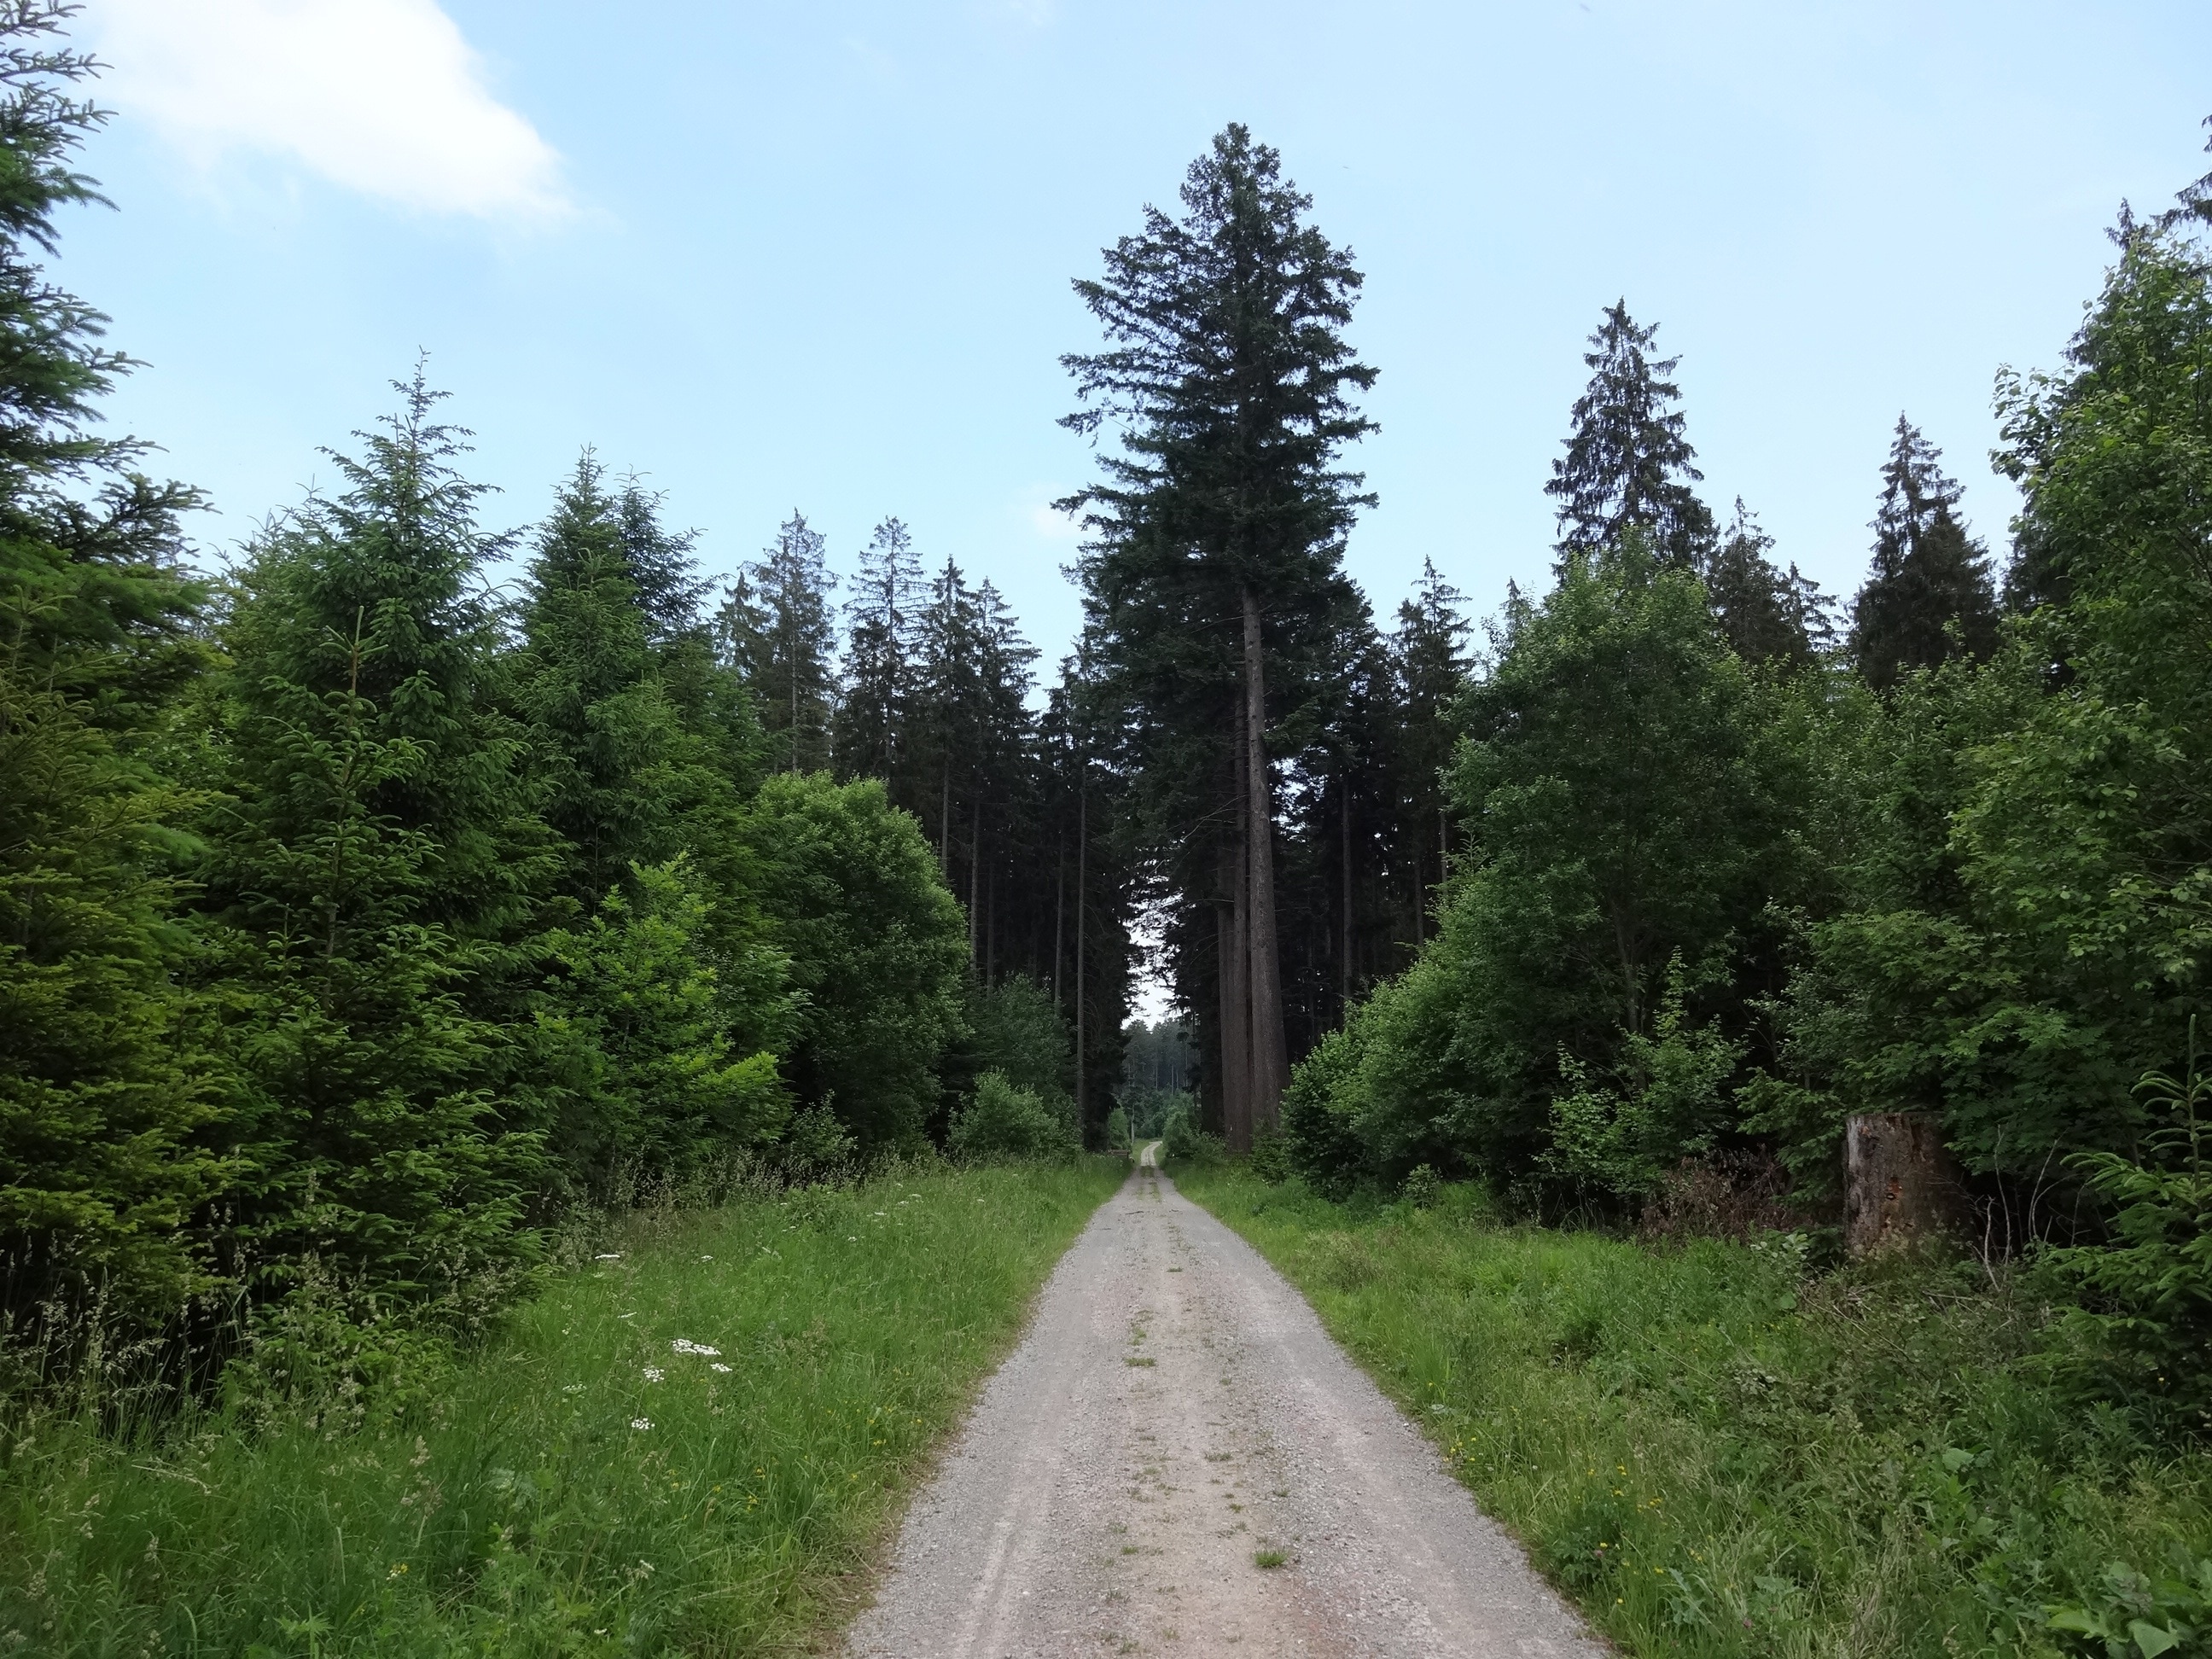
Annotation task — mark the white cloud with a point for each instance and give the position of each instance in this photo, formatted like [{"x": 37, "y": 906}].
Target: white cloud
[{"x": 381, "y": 96}]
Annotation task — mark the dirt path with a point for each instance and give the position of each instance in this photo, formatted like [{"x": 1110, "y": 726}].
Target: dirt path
[{"x": 1174, "y": 1410}]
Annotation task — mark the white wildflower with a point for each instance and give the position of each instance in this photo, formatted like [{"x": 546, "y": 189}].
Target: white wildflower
[
  {"x": 573, "y": 1388},
  {"x": 611, "y": 1255},
  {"x": 685, "y": 1345},
  {"x": 641, "y": 1422},
  {"x": 718, "y": 1366},
  {"x": 654, "y": 1374}
]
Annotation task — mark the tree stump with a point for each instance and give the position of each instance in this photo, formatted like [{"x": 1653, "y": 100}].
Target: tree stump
[{"x": 1901, "y": 1185}]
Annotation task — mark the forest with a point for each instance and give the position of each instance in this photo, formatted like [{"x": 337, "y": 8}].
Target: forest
[{"x": 380, "y": 894}]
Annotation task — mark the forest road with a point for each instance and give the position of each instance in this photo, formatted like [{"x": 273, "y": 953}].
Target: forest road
[{"x": 1174, "y": 1417}]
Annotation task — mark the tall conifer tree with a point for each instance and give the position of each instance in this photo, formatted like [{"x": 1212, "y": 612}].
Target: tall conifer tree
[
  {"x": 1628, "y": 465},
  {"x": 1217, "y": 533},
  {"x": 1928, "y": 595},
  {"x": 779, "y": 626},
  {"x": 102, "y": 1081}
]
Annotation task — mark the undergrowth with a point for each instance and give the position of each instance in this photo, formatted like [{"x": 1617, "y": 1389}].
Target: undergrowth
[
  {"x": 1716, "y": 1451},
  {"x": 686, "y": 1442}
]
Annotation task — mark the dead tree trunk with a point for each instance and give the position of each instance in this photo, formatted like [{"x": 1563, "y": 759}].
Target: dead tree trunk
[{"x": 1901, "y": 1185}]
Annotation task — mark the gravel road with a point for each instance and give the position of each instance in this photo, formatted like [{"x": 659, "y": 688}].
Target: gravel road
[{"x": 1174, "y": 1411}]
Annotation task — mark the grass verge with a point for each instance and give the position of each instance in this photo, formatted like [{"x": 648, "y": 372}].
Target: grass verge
[
  {"x": 679, "y": 1446},
  {"x": 1714, "y": 1453}
]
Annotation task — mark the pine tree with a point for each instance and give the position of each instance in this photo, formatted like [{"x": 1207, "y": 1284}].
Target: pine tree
[
  {"x": 605, "y": 733},
  {"x": 373, "y": 866},
  {"x": 778, "y": 626},
  {"x": 880, "y": 685},
  {"x": 1430, "y": 665},
  {"x": 1928, "y": 597},
  {"x": 1217, "y": 544},
  {"x": 105, "y": 1082},
  {"x": 1766, "y": 614},
  {"x": 1627, "y": 465}
]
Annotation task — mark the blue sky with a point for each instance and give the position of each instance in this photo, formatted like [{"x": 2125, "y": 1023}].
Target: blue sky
[{"x": 817, "y": 256}]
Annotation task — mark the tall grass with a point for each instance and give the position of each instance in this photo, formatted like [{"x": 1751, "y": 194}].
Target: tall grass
[
  {"x": 686, "y": 1443},
  {"x": 1717, "y": 1453}
]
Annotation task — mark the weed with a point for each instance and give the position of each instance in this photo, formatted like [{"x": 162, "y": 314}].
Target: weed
[
  {"x": 1716, "y": 1451},
  {"x": 693, "y": 1477},
  {"x": 1268, "y": 1558}
]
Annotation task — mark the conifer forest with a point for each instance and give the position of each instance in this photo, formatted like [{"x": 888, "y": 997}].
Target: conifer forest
[{"x": 396, "y": 905}]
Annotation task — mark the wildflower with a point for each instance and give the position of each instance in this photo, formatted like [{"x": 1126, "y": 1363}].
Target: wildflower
[
  {"x": 611, "y": 1255},
  {"x": 641, "y": 1422},
  {"x": 718, "y": 1366},
  {"x": 685, "y": 1345},
  {"x": 573, "y": 1388},
  {"x": 706, "y": 1258},
  {"x": 654, "y": 1373},
  {"x": 626, "y": 1316}
]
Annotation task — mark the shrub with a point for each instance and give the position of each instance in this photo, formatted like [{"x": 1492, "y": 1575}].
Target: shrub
[
  {"x": 1003, "y": 1121},
  {"x": 2143, "y": 1333}
]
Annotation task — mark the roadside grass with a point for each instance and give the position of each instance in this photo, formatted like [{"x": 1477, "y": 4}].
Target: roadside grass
[
  {"x": 685, "y": 1447},
  {"x": 1714, "y": 1453}
]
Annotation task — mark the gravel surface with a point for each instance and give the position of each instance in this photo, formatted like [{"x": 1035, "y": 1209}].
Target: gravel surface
[{"x": 1175, "y": 1417}]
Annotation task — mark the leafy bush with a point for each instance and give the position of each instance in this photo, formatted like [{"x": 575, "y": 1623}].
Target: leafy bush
[
  {"x": 1117, "y": 1129},
  {"x": 1020, "y": 1033},
  {"x": 1003, "y": 1121},
  {"x": 851, "y": 894},
  {"x": 1183, "y": 1141}
]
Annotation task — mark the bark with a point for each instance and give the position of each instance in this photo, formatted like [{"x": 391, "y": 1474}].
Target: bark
[
  {"x": 1082, "y": 878},
  {"x": 1901, "y": 1185},
  {"x": 1344, "y": 988},
  {"x": 1271, "y": 1054},
  {"x": 1236, "y": 1015}
]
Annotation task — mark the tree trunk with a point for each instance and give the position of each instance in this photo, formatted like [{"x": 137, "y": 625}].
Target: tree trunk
[
  {"x": 1082, "y": 878},
  {"x": 1236, "y": 1014},
  {"x": 1343, "y": 967},
  {"x": 1901, "y": 1185},
  {"x": 1271, "y": 1054},
  {"x": 1059, "y": 917}
]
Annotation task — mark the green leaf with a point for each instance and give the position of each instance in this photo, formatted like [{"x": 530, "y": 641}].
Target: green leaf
[{"x": 2151, "y": 1638}]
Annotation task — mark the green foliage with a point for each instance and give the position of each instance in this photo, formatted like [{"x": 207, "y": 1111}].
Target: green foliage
[
  {"x": 1928, "y": 598},
  {"x": 372, "y": 853},
  {"x": 105, "y": 1081},
  {"x": 1717, "y": 1453},
  {"x": 1118, "y": 1133},
  {"x": 2144, "y": 1332},
  {"x": 502, "y": 1502},
  {"x": 1020, "y": 1032},
  {"x": 1004, "y": 1120},
  {"x": 659, "y": 1084},
  {"x": 2136, "y": 1616},
  {"x": 1628, "y": 468},
  {"x": 877, "y": 948}
]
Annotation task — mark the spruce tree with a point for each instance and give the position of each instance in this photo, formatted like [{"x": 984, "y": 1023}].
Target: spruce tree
[
  {"x": 1217, "y": 542},
  {"x": 605, "y": 734},
  {"x": 880, "y": 688},
  {"x": 373, "y": 871},
  {"x": 1765, "y": 614},
  {"x": 1628, "y": 465},
  {"x": 1928, "y": 597},
  {"x": 104, "y": 1083},
  {"x": 778, "y": 626},
  {"x": 1430, "y": 664}
]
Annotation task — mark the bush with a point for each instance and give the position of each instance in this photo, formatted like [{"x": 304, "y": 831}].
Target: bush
[
  {"x": 1003, "y": 1121},
  {"x": 1117, "y": 1130},
  {"x": 1021, "y": 1034},
  {"x": 1183, "y": 1141},
  {"x": 851, "y": 893},
  {"x": 2143, "y": 1333}
]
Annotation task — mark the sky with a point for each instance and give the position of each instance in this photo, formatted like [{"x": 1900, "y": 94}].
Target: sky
[{"x": 818, "y": 256}]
